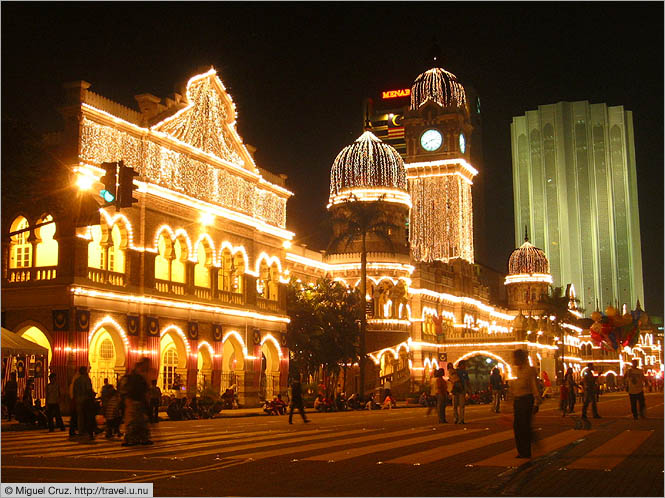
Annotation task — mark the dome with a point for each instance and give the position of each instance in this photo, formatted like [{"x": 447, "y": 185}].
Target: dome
[
  {"x": 527, "y": 260},
  {"x": 440, "y": 86},
  {"x": 368, "y": 164}
]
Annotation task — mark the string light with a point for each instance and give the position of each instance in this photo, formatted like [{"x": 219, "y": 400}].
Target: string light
[
  {"x": 439, "y": 86},
  {"x": 441, "y": 220},
  {"x": 367, "y": 162}
]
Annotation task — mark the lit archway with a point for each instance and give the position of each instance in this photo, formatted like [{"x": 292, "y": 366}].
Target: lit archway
[
  {"x": 271, "y": 354},
  {"x": 173, "y": 353},
  {"x": 503, "y": 365},
  {"x": 233, "y": 359},
  {"x": 106, "y": 355},
  {"x": 204, "y": 365},
  {"x": 36, "y": 335}
]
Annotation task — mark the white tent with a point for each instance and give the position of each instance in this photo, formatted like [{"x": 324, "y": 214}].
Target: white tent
[{"x": 14, "y": 344}]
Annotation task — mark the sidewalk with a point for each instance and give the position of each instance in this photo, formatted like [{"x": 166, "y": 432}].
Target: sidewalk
[{"x": 234, "y": 413}]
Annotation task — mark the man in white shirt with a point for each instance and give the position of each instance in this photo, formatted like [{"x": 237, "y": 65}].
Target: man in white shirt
[{"x": 634, "y": 382}]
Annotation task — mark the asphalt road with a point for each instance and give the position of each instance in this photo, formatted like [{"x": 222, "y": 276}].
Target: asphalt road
[{"x": 399, "y": 452}]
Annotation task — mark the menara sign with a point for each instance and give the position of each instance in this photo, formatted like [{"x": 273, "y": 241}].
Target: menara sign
[{"x": 394, "y": 94}]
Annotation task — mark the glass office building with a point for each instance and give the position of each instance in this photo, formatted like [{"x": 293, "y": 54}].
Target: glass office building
[{"x": 575, "y": 191}]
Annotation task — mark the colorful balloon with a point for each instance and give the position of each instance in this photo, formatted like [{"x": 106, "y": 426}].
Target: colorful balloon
[{"x": 610, "y": 311}]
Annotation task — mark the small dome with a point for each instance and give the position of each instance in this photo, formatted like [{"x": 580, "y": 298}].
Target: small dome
[
  {"x": 528, "y": 259},
  {"x": 440, "y": 86},
  {"x": 368, "y": 163}
]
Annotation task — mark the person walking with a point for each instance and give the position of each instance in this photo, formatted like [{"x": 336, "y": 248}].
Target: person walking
[
  {"x": 84, "y": 397},
  {"x": 590, "y": 387},
  {"x": 53, "y": 404},
  {"x": 10, "y": 395},
  {"x": 571, "y": 389},
  {"x": 433, "y": 390},
  {"x": 297, "y": 401},
  {"x": 73, "y": 419},
  {"x": 634, "y": 381},
  {"x": 441, "y": 396},
  {"x": 155, "y": 396},
  {"x": 136, "y": 405},
  {"x": 525, "y": 397},
  {"x": 496, "y": 386},
  {"x": 460, "y": 387}
]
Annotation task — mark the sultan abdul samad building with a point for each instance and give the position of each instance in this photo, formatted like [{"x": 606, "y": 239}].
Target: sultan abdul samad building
[{"x": 193, "y": 273}]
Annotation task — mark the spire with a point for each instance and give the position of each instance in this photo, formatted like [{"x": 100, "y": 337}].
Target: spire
[
  {"x": 434, "y": 55},
  {"x": 526, "y": 234},
  {"x": 638, "y": 307},
  {"x": 368, "y": 122}
]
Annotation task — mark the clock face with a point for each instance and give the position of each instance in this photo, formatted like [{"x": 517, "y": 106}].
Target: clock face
[
  {"x": 431, "y": 140},
  {"x": 462, "y": 143}
]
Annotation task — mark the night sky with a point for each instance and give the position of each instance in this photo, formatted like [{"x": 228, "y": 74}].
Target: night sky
[{"x": 298, "y": 73}]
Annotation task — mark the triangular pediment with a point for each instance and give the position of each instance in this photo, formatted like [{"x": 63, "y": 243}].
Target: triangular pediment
[{"x": 208, "y": 121}]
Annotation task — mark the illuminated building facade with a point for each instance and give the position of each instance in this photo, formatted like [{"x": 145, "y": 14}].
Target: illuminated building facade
[
  {"x": 575, "y": 188},
  {"x": 191, "y": 276}
]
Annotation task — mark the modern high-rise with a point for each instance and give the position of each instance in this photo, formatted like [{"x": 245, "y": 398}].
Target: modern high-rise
[{"x": 575, "y": 191}]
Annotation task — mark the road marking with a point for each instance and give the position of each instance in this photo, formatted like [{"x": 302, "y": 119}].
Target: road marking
[
  {"x": 613, "y": 452},
  {"x": 432, "y": 455},
  {"x": 116, "y": 450},
  {"x": 328, "y": 444},
  {"x": 318, "y": 435},
  {"x": 73, "y": 469},
  {"x": 508, "y": 459},
  {"x": 77, "y": 442},
  {"x": 375, "y": 448}
]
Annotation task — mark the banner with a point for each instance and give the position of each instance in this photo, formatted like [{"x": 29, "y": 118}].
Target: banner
[
  {"x": 133, "y": 325},
  {"x": 60, "y": 320},
  {"x": 152, "y": 326},
  {"x": 217, "y": 332},
  {"x": 193, "y": 330},
  {"x": 82, "y": 321}
]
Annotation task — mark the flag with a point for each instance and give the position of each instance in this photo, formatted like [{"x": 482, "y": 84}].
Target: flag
[{"x": 396, "y": 132}]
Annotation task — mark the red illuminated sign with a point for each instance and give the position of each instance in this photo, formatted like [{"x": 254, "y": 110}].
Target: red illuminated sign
[{"x": 394, "y": 94}]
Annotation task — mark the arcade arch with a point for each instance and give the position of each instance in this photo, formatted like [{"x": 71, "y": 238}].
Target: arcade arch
[
  {"x": 106, "y": 355},
  {"x": 36, "y": 335},
  {"x": 173, "y": 351},
  {"x": 270, "y": 361}
]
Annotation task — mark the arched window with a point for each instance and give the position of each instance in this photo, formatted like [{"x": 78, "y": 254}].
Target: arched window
[
  {"x": 116, "y": 256},
  {"x": 163, "y": 258},
  {"x": 273, "y": 283},
  {"x": 178, "y": 263},
  {"x": 20, "y": 248},
  {"x": 238, "y": 274},
  {"x": 96, "y": 253},
  {"x": 203, "y": 264},
  {"x": 47, "y": 247},
  {"x": 263, "y": 281},
  {"x": 169, "y": 365}
]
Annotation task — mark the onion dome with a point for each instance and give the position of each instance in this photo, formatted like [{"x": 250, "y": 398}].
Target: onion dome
[
  {"x": 528, "y": 259},
  {"x": 369, "y": 169},
  {"x": 528, "y": 264},
  {"x": 440, "y": 86}
]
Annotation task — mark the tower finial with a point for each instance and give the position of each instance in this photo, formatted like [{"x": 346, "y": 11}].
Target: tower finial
[
  {"x": 368, "y": 122},
  {"x": 526, "y": 234}
]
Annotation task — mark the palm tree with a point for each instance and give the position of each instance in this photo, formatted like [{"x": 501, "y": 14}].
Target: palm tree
[
  {"x": 556, "y": 304},
  {"x": 355, "y": 221}
]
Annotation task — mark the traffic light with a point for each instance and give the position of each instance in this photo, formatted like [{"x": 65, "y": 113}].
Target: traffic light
[
  {"x": 110, "y": 180},
  {"x": 126, "y": 186}
]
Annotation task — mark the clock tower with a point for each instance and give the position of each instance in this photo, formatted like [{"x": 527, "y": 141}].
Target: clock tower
[{"x": 437, "y": 127}]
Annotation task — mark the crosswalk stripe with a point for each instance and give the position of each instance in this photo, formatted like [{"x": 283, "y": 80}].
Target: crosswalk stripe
[
  {"x": 218, "y": 444},
  {"x": 114, "y": 449},
  {"x": 543, "y": 447},
  {"x": 613, "y": 452},
  {"x": 432, "y": 455},
  {"x": 318, "y": 435},
  {"x": 328, "y": 444},
  {"x": 19, "y": 447},
  {"x": 366, "y": 450}
]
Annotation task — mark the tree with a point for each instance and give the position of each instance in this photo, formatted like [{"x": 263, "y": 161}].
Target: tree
[
  {"x": 557, "y": 304},
  {"x": 355, "y": 221},
  {"x": 323, "y": 329}
]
